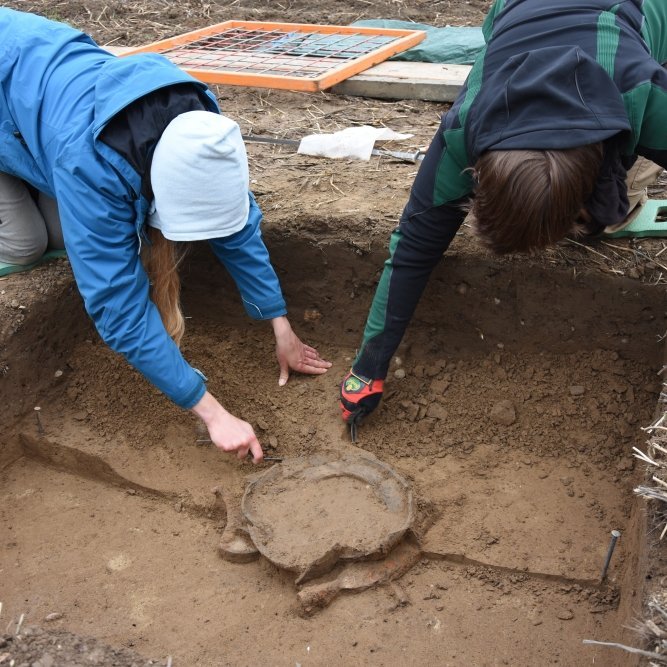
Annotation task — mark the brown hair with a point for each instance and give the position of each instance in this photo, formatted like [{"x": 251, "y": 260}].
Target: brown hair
[
  {"x": 161, "y": 258},
  {"x": 526, "y": 200}
]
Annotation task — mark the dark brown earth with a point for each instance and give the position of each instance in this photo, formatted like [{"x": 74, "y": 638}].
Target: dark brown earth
[
  {"x": 523, "y": 385},
  {"x": 135, "y": 23}
]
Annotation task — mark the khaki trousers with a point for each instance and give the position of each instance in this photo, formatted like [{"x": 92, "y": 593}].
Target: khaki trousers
[
  {"x": 642, "y": 174},
  {"x": 28, "y": 226}
]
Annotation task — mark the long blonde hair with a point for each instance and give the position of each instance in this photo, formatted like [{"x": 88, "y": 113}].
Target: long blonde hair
[{"x": 161, "y": 258}]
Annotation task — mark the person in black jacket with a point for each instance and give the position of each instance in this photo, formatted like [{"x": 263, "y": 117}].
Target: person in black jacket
[{"x": 564, "y": 97}]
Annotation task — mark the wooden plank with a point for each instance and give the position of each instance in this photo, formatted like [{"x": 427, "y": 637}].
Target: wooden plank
[
  {"x": 117, "y": 50},
  {"x": 399, "y": 80}
]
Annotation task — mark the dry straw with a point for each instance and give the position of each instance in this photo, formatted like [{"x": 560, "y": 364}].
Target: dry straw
[{"x": 653, "y": 629}]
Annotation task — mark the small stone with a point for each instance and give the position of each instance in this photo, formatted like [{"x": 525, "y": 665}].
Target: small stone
[
  {"x": 437, "y": 411},
  {"x": 178, "y": 506},
  {"x": 398, "y": 362},
  {"x": 273, "y": 441},
  {"x": 14, "y": 303},
  {"x": 577, "y": 390},
  {"x": 80, "y": 415},
  {"x": 399, "y": 373},
  {"x": 439, "y": 386},
  {"x": 411, "y": 410},
  {"x": 262, "y": 425},
  {"x": 58, "y": 374},
  {"x": 96, "y": 656},
  {"x": 462, "y": 288},
  {"x": 617, "y": 384},
  {"x": 565, "y": 615},
  {"x": 503, "y": 413},
  {"x": 312, "y": 315},
  {"x": 54, "y": 616}
]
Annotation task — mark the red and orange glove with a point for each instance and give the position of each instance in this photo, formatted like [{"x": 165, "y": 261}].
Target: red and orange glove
[{"x": 359, "y": 396}]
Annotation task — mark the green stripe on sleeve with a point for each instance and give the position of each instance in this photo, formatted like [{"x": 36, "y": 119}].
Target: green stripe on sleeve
[
  {"x": 487, "y": 27},
  {"x": 451, "y": 181},
  {"x": 655, "y": 13},
  {"x": 375, "y": 324},
  {"x": 607, "y": 41}
]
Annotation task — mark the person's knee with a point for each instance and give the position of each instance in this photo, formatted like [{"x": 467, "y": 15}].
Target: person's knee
[
  {"x": 26, "y": 251},
  {"x": 23, "y": 233}
]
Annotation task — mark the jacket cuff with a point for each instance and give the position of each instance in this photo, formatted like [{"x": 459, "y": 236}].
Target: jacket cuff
[
  {"x": 192, "y": 397},
  {"x": 265, "y": 311}
]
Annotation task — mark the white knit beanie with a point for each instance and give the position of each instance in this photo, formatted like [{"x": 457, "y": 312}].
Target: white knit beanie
[{"x": 200, "y": 178}]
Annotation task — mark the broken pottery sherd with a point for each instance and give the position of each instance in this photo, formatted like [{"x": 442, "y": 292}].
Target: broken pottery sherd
[
  {"x": 359, "y": 576},
  {"x": 307, "y": 514},
  {"x": 235, "y": 543}
]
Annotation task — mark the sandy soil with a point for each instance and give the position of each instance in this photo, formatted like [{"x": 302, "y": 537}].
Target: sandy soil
[{"x": 523, "y": 387}]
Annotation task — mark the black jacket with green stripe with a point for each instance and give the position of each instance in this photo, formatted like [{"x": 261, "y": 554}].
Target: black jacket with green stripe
[
  {"x": 554, "y": 74},
  {"x": 557, "y": 74}
]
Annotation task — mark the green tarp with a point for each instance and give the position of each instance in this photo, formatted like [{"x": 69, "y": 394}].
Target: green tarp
[
  {"x": 6, "y": 269},
  {"x": 459, "y": 46}
]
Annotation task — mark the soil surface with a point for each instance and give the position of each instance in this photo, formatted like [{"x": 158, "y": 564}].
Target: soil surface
[
  {"x": 43, "y": 647},
  {"x": 511, "y": 408}
]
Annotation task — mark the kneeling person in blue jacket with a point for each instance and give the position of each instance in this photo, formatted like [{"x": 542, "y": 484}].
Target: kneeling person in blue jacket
[{"x": 137, "y": 156}]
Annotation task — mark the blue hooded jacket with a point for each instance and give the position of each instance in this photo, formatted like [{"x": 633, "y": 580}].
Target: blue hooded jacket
[{"x": 58, "y": 91}]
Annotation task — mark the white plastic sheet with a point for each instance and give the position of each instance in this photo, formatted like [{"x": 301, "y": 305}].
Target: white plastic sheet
[{"x": 352, "y": 142}]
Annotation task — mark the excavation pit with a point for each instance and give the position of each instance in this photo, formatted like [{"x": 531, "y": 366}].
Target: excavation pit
[{"x": 524, "y": 388}]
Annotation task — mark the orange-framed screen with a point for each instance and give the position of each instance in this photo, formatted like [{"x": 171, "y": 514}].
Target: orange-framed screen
[{"x": 293, "y": 56}]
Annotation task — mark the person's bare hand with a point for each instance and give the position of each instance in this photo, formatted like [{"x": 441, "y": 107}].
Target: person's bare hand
[
  {"x": 293, "y": 354},
  {"x": 227, "y": 432}
]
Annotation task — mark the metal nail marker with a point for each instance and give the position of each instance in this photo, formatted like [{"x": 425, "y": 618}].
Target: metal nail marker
[
  {"x": 615, "y": 534},
  {"x": 38, "y": 416}
]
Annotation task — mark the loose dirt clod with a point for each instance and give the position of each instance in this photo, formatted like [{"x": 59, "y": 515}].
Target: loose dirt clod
[{"x": 503, "y": 413}]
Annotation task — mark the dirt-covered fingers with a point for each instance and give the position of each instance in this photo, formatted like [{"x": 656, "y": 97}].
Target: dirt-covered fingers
[
  {"x": 312, "y": 362},
  {"x": 256, "y": 451}
]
